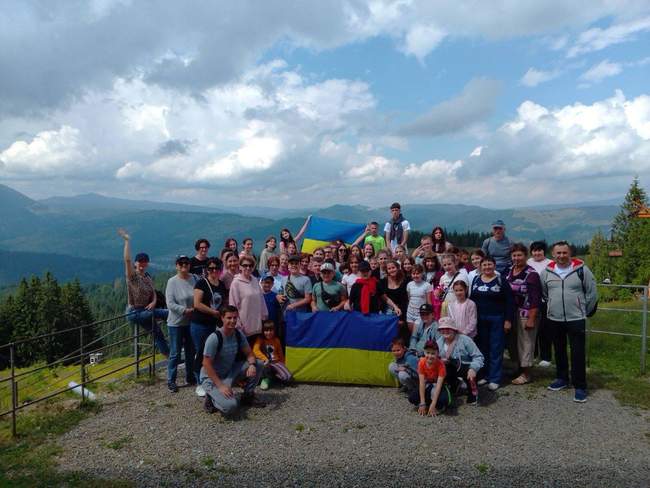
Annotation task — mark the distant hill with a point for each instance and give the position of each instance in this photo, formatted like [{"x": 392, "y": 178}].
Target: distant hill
[{"x": 57, "y": 229}]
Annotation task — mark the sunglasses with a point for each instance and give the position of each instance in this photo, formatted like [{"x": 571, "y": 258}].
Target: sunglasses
[{"x": 246, "y": 265}]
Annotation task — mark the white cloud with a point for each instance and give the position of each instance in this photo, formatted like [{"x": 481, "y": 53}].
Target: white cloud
[
  {"x": 600, "y": 71},
  {"x": 596, "y": 39},
  {"x": 534, "y": 77},
  {"x": 433, "y": 169},
  {"x": 374, "y": 168},
  {"x": 420, "y": 40}
]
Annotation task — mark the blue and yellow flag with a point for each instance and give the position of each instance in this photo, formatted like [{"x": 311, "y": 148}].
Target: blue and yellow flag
[
  {"x": 322, "y": 232},
  {"x": 340, "y": 347}
]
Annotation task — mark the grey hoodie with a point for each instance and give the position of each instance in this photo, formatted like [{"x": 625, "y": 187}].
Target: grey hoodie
[{"x": 566, "y": 298}]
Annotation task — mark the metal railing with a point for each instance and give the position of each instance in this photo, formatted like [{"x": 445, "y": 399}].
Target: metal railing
[
  {"x": 643, "y": 325},
  {"x": 126, "y": 331}
]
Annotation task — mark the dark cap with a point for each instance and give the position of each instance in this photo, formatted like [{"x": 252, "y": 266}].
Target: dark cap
[
  {"x": 498, "y": 223},
  {"x": 141, "y": 256},
  {"x": 364, "y": 266},
  {"x": 395, "y": 205},
  {"x": 268, "y": 278},
  {"x": 182, "y": 259},
  {"x": 294, "y": 258},
  {"x": 426, "y": 308}
]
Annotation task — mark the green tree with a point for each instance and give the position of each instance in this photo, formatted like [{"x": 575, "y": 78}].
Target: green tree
[{"x": 635, "y": 199}]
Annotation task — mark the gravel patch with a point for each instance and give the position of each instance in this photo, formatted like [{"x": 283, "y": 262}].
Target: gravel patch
[{"x": 360, "y": 436}]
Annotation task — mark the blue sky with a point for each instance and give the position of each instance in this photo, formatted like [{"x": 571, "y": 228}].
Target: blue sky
[{"x": 294, "y": 104}]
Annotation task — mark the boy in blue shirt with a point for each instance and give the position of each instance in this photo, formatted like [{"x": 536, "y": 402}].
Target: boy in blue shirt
[{"x": 405, "y": 367}]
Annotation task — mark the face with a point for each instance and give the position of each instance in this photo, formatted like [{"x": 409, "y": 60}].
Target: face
[
  {"x": 394, "y": 212},
  {"x": 327, "y": 275},
  {"x": 449, "y": 266},
  {"x": 183, "y": 267},
  {"x": 141, "y": 266},
  {"x": 319, "y": 253},
  {"x": 426, "y": 244},
  {"x": 518, "y": 258},
  {"x": 426, "y": 317},
  {"x": 248, "y": 246},
  {"x": 487, "y": 267},
  {"x": 328, "y": 252},
  {"x": 315, "y": 268},
  {"x": 354, "y": 266},
  {"x": 538, "y": 254},
  {"x": 284, "y": 234},
  {"x": 400, "y": 253},
  {"x": 463, "y": 258},
  {"x": 269, "y": 334},
  {"x": 373, "y": 264},
  {"x": 398, "y": 351},
  {"x": 476, "y": 260},
  {"x": 284, "y": 261},
  {"x": 459, "y": 292},
  {"x": 293, "y": 267},
  {"x": 437, "y": 234},
  {"x": 304, "y": 264},
  {"x": 429, "y": 264},
  {"x": 232, "y": 244},
  {"x": 246, "y": 268},
  {"x": 562, "y": 255},
  {"x": 407, "y": 266},
  {"x": 373, "y": 229},
  {"x": 273, "y": 268},
  {"x": 343, "y": 251},
  {"x": 447, "y": 334},
  {"x": 355, "y": 251},
  {"x": 291, "y": 248},
  {"x": 232, "y": 263},
  {"x": 266, "y": 286},
  {"x": 391, "y": 269},
  {"x": 368, "y": 250},
  {"x": 416, "y": 275},
  {"x": 498, "y": 232},
  {"x": 431, "y": 355},
  {"x": 382, "y": 258},
  {"x": 203, "y": 250},
  {"x": 229, "y": 320},
  {"x": 271, "y": 244}
]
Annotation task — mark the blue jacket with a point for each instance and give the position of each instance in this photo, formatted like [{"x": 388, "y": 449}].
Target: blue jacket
[
  {"x": 466, "y": 351},
  {"x": 421, "y": 335}
]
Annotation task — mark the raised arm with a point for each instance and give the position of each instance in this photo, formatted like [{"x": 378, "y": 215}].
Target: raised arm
[
  {"x": 361, "y": 237},
  {"x": 128, "y": 266},
  {"x": 302, "y": 230}
]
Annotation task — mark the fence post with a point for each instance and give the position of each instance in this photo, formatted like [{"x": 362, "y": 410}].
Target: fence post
[
  {"x": 152, "y": 371},
  {"x": 587, "y": 340},
  {"x": 82, "y": 364},
  {"x": 14, "y": 391},
  {"x": 644, "y": 330},
  {"x": 137, "y": 349}
]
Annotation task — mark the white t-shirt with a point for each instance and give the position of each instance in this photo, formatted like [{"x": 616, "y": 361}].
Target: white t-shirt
[
  {"x": 348, "y": 280},
  {"x": 417, "y": 293},
  {"x": 538, "y": 266},
  {"x": 405, "y": 226},
  {"x": 563, "y": 271},
  {"x": 446, "y": 282}
]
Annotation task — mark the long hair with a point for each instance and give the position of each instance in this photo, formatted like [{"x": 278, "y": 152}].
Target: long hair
[{"x": 439, "y": 245}]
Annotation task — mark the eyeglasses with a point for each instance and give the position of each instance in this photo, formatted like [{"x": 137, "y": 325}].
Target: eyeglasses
[{"x": 246, "y": 265}]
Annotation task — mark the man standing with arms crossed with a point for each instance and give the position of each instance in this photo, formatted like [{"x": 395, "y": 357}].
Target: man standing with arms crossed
[
  {"x": 396, "y": 230},
  {"x": 569, "y": 288}
]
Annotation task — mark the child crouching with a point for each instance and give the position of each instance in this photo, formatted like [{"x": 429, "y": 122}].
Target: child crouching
[
  {"x": 405, "y": 367},
  {"x": 432, "y": 394},
  {"x": 268, "y": 349}
]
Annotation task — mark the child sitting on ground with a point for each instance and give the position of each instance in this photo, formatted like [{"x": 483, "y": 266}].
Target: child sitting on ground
[
  {"x": 268, "y": 349},
  {"x": 432, "y": 394},
  {"x": 405, "y": 367}
]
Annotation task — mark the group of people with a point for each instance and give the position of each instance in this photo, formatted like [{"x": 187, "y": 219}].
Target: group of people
[{"x": 457, "y": 311}]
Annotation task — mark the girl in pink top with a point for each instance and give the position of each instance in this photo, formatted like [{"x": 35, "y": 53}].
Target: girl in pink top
[
  {"x": 463, "y": 310},
  {"x": 246, "y": 294}
]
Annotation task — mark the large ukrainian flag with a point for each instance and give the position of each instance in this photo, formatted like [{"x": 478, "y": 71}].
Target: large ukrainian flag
[
  {"x": 321, "y": 232},
  {"x": 340, "y": 347}
]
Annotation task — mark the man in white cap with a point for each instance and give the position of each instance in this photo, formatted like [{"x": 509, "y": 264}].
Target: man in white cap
[{"x": 328, "y": 295}]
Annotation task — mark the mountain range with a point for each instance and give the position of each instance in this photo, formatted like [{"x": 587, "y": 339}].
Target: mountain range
[{"x": 78, "y": 233}]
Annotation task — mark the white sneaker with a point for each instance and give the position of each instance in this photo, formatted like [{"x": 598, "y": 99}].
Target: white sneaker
[
  {"x": 493, "y": 386},
  {"x": 544, "y": 364},
  {"x": 482, "y": 382},
  {"x": 200, "y": 391}
]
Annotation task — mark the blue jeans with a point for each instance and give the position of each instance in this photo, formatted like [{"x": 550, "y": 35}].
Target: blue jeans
[
  {"x": 200, "y": 334},
  {"x": 147, "y": 320},
  {"x": 180, "y": 338},
  {"x": 491, "y": 340}
]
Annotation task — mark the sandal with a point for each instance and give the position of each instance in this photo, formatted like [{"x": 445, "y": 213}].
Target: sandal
[{"x": 521, "y": 380}]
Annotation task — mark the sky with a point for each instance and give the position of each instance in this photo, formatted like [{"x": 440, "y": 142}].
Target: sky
[{"x": 310, "y": 103}]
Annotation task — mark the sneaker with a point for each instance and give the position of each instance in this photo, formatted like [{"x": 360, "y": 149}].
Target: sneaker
[
  {"x": 264, "y": 384},
  {"x": 580, "y": 396},
  {"x": 493, "y": 386},
  {"x": 208, "y": 406},
  {"x": 252, "y": 401},
  {"x": 482, "y": 382},
  {"x": 544, "y": 364},
  {"x": 471, "y": 400},
  {"x": 172, "y": 387},
  {"x": 200, "y": 391},
  {"x": 557, "y": 385}
]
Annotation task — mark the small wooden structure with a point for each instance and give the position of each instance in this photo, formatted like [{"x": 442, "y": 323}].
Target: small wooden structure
[
  {"x": 643, "y": 213},
  {"x": 95, "y": 358}
]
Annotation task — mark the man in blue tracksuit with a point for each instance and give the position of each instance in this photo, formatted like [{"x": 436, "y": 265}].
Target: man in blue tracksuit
[{"x": 569, "y": 288}]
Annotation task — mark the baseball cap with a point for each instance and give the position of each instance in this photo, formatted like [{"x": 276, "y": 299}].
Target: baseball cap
[
  {"x": 498, "y": 223},
  {"x": 327, "y": 267},
  {"x": 426, "y": 308},
  {"x": 268, "y": 278},
  {"x": 447, "y": 323},
  {"x": 364, "y": 266},
  {"x": 182, "y": 259},
  {"x": 141, "y": 256}
]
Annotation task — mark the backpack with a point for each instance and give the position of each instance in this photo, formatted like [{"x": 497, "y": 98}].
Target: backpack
[
  {"x": 581, "y": 274},
  {"x": 219, "y": 335}
]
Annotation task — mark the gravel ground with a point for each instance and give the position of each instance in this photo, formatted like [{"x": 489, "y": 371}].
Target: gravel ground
[{"x": 358, "y": 436}]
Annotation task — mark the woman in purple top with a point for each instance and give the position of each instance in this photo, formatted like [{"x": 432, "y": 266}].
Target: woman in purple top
[{"x": 527, "y": 290}]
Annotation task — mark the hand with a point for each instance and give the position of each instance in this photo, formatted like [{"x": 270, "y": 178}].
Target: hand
[
  {"x": 397, "y": 311},
  {"x": 367, "y": 229},
  {"x": 251, "y": 371},
  {"x": 507, "y": 325},
  {"x": 123, "y": 234},
  {"x": 150, "y": 306},
  {"x": 471, "y": 374},
  {"x": 422, "y": 410},
  {"x": 530, "y": 323},
  {"x": 290, "y": 306},
  {"x": 226, "y": 391},
  {"x": 188, "y": 311},
  {"x": 281, "y": 298},
  {"x": 432, "y": 410}
]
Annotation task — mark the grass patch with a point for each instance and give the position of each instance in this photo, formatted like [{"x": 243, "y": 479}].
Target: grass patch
[
  {"x": 29, "y": 460},
  {"x": 119, "y": 443},
  {"x": 299, "y": 427},
  {"x": 208, "y": 462},
  {"x": 483, "y": 468}
]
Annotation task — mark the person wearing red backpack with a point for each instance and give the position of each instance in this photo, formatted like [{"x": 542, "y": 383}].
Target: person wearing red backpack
[{"x": 569, "y": 288}]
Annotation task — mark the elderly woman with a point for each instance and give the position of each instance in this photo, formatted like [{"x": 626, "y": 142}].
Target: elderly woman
[
  {"x": 495, "y": 310},
  {"x": 527, "y": 290},
  {"x": 461, "y": 357},
  {"x": 246, "y": 294},
  {"x": 142, "y": 295},
  {"x": 179, "y": 295}
]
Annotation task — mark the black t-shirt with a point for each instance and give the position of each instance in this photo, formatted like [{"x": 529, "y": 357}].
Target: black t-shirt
[
  {"x": 214, "y": 297},
  {"x": 355, "y": 299},
  {"x": 398, "y": 295},
  {"x": 197, "y": 267}
]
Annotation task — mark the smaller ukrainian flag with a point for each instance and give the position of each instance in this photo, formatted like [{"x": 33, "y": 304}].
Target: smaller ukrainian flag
[{"x": 322, "y": 232}]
